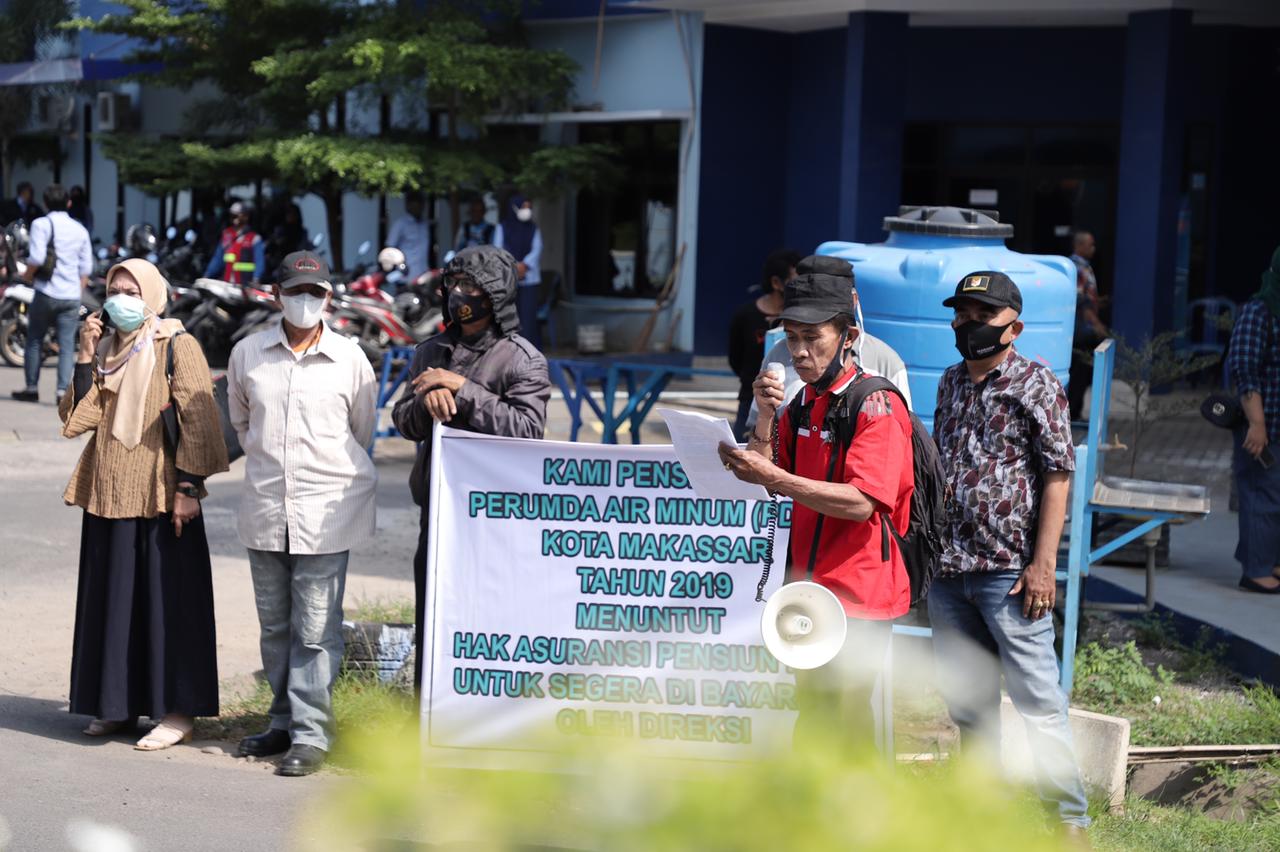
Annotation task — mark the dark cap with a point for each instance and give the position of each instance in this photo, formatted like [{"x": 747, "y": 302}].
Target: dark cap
[
  {"x": 822, "y": 288},
  {"x": 991, "y": 288},
  {"x": 303, "y": 267}
]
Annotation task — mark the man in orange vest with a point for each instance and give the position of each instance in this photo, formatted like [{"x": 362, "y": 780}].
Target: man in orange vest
[{"x": 241, "y": 255}]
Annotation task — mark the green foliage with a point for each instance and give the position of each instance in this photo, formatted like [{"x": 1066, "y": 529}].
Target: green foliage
[
  {"x": 1115, "y": 677},
  {"x": 610, "y": 797},
  {"x": 1161, "y": 712},
  {"x": 1144, "y": 826},
  {"x": 1157, "y": 630}
]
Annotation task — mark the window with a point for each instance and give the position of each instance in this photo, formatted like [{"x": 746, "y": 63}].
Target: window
[{"x": 626, "y": 234}]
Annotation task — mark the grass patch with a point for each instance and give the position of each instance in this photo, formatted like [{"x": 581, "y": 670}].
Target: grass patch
[
  {"x": 382, "y": 610},
  {"x": 1144, "y": 826},
  {"x": 1162, "y": 708},
  {"x": 362, "y": 705}
]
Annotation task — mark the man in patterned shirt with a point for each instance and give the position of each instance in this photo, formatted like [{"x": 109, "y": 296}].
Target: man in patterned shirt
[
  {"x": 1254, "y": 362},
  {"x": 1004, "y": 438}
]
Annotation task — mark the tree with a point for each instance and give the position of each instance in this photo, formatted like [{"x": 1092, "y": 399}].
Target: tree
[
  {"x": 23, "y": 25},
  {"x": 287, "y": 71}
]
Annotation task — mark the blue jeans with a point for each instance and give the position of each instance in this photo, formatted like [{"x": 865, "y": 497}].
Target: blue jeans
[
  {"x": 44, "y": 311},
  {"x": 1258, "y": 546},
  {"x": 978, "y": 632},
  {"x": 299, "y": 602}
]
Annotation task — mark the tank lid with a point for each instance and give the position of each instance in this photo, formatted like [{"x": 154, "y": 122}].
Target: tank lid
[{"x": 948, "y": 222}]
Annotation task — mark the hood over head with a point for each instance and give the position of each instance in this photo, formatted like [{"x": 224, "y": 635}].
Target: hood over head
[{"x": 494, "y": 270}]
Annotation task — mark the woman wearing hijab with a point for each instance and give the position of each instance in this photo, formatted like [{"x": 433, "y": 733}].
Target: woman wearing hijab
[
  {"x": 144, "y": 637},
  {"x": 1254, "y": 364},
  {"x": 520, "y": 236}
]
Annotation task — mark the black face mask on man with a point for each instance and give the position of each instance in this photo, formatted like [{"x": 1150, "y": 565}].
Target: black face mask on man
[
  {"x": 835, "y": 368},
  {"x": 468, "y": 308},
  {"x": 976, "y": 340}
]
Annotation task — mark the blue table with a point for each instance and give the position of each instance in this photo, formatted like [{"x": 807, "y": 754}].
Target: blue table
[{"x": 644, "y": 383}]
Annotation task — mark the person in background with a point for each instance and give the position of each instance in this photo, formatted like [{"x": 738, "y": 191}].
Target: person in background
[
  {"x": 411, "y": 233},
  {"x": 521, "y": 237},
  {"x": 303, "y": 401},
  {"x": 287, "y": 236},
  {"x": 748, "y": 325},
  {"x": 57, "y": 298},
  {"x": 241, "y": 256},
  {"x": 479, "y": 375},
  {"x": 1090, "y": 329},
  {"x": 1254, "y": 364},
  {"x": 144, "y": 641},
  {"x": 841, "y": 505},
  {"x": 79, "y": 207},
  {"x": 22, "y": 206},
  {"x": 1004, "y": 439},
  {"x": 475, "y": 231},
  {"x": 874, "y": 356}
]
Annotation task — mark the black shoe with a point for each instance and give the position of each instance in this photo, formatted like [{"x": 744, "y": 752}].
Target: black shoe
[
  {"x": 1251, "y": 585},
  {"x": 271, "y": 742},
  {"x": 26, "y": 396},
  {"x": 301, "y": 760}
]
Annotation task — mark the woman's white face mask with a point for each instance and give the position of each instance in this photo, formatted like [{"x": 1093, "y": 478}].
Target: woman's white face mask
[
  {"x": 524, "y": 214},
  {"x": 303, "y": 310}
]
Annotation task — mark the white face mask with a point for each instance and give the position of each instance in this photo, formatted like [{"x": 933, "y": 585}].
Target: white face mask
[
  {"x": 303, "y": 310},
  {"x": 524, "y": 214}
]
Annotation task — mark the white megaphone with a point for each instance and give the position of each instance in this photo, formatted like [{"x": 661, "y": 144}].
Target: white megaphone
[{"x": 804, "y": 625}]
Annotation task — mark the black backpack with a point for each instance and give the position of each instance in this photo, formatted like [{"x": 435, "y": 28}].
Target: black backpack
[{"x": 922, "y": 545}]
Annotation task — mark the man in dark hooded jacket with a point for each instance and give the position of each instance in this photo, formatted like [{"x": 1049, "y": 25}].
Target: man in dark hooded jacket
[{"x": 479, "y": 375}]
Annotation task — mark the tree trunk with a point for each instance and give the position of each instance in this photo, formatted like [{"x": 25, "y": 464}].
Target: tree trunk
[
  {"x": 455, "y": 215},
  {"x": 333, "y": 211}
]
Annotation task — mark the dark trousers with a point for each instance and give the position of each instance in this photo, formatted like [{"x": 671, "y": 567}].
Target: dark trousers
[
  {"x": 65, "y": 315},
  {"x": 1081, "y": 371},
  {"x": 419, "y": 591},
  {"x": 527, "y": 296}
]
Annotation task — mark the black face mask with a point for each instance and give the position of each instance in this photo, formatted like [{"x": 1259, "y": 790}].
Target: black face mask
[
  {"x": 835, "y": 368},
  {"x": 465, "y": 308},
  {"x": 976, "y": 340}
]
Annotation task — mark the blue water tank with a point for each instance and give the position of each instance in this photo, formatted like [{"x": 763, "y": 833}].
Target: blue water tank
[{"x": 901, "y": 284}]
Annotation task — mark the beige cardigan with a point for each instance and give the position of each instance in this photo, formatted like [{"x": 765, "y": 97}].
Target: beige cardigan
[{"x": 112, "y": 481}]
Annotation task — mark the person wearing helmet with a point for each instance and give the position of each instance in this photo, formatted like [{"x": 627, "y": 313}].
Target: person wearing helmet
[
  {"x": 479, "y": 375},
  {"x": 141, "y": 241},
  {"x": 394, "y": 269},
  {"x": 241, "y": 256}
]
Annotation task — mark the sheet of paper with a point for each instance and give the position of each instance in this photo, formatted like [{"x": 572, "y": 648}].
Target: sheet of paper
[{"x": 696, "y": 438}]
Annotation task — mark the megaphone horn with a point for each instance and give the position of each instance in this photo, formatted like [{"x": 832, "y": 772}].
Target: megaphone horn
[{"x": 803, "y": 625}]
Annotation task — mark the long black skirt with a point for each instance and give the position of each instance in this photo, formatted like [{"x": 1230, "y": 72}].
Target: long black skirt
[{"x": 144, "y": 639}]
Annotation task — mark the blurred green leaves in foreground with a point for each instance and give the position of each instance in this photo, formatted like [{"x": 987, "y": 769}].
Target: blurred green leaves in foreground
[{"x": 612, "y": 797}]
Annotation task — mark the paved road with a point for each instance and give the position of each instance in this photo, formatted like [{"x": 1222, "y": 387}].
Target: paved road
[{"x": 51, "y": 775}]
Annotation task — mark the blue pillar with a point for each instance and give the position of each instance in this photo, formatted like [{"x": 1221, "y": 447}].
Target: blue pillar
[
  {"x": 1150, "y": 173},
  {"x": 870, "y": 174}
]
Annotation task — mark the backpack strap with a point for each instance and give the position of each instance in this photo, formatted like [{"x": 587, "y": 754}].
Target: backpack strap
[{"x": 168, "y": 358}]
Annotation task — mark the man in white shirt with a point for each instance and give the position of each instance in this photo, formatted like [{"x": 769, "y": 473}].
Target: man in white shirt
[
  {"x": 57, "y": 299},
  {"x": 411, "y": 233},
  {"x": 303, "y": 402}
]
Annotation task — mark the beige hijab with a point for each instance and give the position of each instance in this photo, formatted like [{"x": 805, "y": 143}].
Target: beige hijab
[{"x": 126, "y": 360}]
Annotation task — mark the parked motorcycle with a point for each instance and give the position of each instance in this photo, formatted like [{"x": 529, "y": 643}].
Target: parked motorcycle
[{"x": 226, "y": 314}]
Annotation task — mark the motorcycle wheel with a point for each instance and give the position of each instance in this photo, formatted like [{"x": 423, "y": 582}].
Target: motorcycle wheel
[{"x": 13, "y": 342}]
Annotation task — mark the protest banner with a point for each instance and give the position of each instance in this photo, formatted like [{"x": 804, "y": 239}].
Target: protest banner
[{"x": 579, "y": 590}]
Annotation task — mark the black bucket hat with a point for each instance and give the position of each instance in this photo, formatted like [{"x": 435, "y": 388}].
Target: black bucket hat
[{"x": 821, "y": 290}]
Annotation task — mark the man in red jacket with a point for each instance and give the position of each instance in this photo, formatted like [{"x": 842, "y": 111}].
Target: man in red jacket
[{"x": 841, "y": 505}]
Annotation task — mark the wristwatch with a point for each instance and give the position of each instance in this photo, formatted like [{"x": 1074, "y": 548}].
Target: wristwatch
[{"x": 189, "y": 490}]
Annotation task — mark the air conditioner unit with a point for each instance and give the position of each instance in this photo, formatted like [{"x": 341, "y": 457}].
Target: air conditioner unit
[
  {"x": 114, "y": 112},
  {"x": 56, "y": 112}
]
